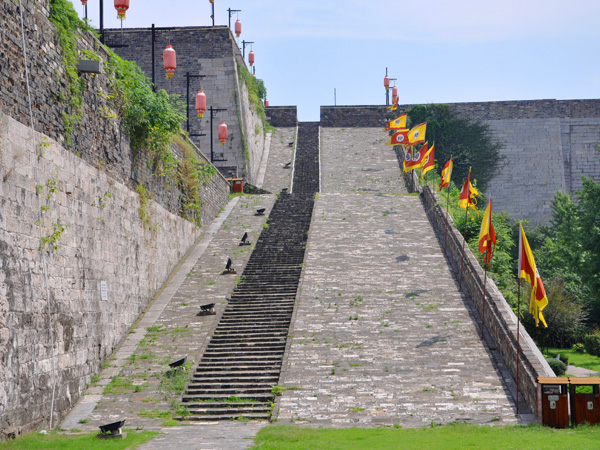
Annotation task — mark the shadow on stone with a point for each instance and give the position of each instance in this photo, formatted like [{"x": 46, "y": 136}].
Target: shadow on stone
[
  {"x": 429, "y": 342},
  {"x": 402, "y": 258}
]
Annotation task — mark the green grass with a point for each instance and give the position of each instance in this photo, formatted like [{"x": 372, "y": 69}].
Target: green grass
[
  {"x": 89, "y": 441},
  {"x": 438, "y": 437},
  {"x": 584, "y": 360}
]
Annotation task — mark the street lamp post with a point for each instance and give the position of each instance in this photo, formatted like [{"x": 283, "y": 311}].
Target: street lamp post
[
  {"x": 231, "y": 13},
  {"x": 212, "y": 115},
  {"x": 244, "y": 43}
]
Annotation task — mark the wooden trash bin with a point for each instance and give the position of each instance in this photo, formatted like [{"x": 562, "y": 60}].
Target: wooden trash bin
[
  {"x": 554, "y": 401},
  {"x": 585, "y": 407}
]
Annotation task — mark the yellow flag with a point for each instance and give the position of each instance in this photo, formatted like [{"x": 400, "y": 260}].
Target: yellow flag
[{"x": 416, "y": 135}]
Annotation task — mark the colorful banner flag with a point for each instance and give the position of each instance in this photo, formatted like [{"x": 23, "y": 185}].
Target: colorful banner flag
[
  {"x": 428, "y": 161},
  {"x": 394, "y": 105},
  {"x": 399, "y": 123},
  {"x": 528, "y": 271},
  {"x": 399, "y": 138},
  {"x": 487, "y": 235},
  {"x": 446, "y": 173},
  {"x": 414, "y": 157},
  {"x": 416, "y": 135},
  {"x": 467, "y": 196}
]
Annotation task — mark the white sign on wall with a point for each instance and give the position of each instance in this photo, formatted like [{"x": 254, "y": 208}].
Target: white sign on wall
[{"x": 103, "y": 290}]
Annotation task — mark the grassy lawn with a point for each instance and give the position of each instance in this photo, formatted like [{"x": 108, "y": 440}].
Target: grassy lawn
[
  {"x": 584, "y": 360},
  {"x": 452, "y": 437},
  {"x": 87, "y": 441}
]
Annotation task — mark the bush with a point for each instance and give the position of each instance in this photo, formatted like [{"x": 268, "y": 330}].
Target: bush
[
  {"x": 591, "y": 343},
  {"x": 557, "y": 365},
  {"x": 560, "y": 356},
  {"x": 579, "y": 348}
]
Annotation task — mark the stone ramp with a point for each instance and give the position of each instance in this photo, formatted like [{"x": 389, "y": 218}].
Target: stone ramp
[{"x": 381, "y": 333}]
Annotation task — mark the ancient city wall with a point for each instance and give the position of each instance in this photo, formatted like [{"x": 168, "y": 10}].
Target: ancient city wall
[
  {"x": 72, "y": 223},
  {"x": 212, "y": 53},
  {"x": 547, "y": 145}
]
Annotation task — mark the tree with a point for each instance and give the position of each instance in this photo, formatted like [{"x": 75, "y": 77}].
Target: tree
[{"x": 469, "y": 142}]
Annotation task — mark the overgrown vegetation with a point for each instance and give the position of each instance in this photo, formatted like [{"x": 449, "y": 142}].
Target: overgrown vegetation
[
  {"x": 151, "y": 119},
  {"x": 257, "y": 93}
]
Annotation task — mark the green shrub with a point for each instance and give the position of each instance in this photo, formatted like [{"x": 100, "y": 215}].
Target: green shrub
[
  {"x": 560, "y": 356},
  {"x": 591, "y": 343},
  {"x": 558, "y": 366},
  {"x": 579, "y": 348}
]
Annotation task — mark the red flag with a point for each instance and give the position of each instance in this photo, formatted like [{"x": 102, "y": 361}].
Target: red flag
[
  {"x": 428, "y": 161},
  {"x": 414, "y": 158},
  {"x": 399, "y": 138}
]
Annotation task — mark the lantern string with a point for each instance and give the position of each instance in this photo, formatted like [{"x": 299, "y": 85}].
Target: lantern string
[{"x": 43, "y": 259}]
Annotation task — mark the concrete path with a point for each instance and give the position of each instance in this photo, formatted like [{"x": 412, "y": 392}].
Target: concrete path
[
  {"x": 382, "y": 335},
  {"x": 575, "y": 371}
]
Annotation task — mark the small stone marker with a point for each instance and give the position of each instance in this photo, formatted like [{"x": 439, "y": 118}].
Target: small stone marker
[{"x": 103, "y": 291}]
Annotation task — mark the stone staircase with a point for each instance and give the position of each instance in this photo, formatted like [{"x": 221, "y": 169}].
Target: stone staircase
[{"x": 242, "y": 362}]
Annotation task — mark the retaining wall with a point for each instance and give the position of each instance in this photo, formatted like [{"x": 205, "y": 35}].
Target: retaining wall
[{"x": 77, "y": 192}]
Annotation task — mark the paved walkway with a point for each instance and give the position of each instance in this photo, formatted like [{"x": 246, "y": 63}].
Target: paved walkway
[{"x": 382, "y": 335}]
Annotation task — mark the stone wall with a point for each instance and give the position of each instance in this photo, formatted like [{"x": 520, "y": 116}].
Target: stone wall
[
  {"x": 547, "y": 145},
  {"x": 500, "y": 321},
  {"x": 104, "y": 239},
  {"x": 212, "y": 53},
  {"x": 282, "y": 116},
  {"x": 79, "y": 191}
]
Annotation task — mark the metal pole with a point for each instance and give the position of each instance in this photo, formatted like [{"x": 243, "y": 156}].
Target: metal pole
[
  {"x": 462, "y": 260},
  {"x": 102, "y": 21},
  {"x": 211, "y": 134},
  {"x": 483, "y": 302},
  {"x": 154, "y": 59},
  {"x": 334, "y": 97},
  {"x": 213, "y": 14},
  {"x": 243, "y": 50},
  {"x": 86, "y": 12},
  {"x": 518, "y": 334},
  {"x": 387, "y": 92},
  {"x": 187, "y": 103}
]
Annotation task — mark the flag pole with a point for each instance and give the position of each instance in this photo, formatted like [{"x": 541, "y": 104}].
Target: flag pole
[
  {"x": 486, "y": 266},
  {"x": 447, "y": 216},
  {"x": 462, "y": 261},
  {"x": 518, "y": 335}
]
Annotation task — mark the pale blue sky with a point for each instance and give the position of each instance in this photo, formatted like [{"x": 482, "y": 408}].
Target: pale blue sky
[{"x": 439, "y": 50}]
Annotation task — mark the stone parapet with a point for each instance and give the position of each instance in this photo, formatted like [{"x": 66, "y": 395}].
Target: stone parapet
[{"x": 282, "y": 116}]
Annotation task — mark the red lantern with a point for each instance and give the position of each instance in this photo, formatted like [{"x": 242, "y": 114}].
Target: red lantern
[
  {"x": 238, "y": 28},
  {"x": 394, "y": 94},
  {"x": 84, "y": 2},
  {"x": 200, "y": 103},
  {"x": 223, "y": 133},
  {"x": 121, "y": 6},
  {"x": 386, "y": 82},
  {"x": 170, "y": 61},
  {"x": 266, "y": 102},
  {"x": 212, "y": 1},
  {"x": 251, "y": 58}
]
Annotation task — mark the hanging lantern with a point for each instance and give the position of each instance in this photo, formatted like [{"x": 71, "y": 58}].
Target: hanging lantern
[
  {"x": 223, "y": 133},
  {"x": 121, "y": 6},
  {"x": 251, "y": 57},
  {"x": 386, "y": 82},
  {"x": 394, "y": 94},
  {"x": 170, "y": 60},
  {"x": 212, "y": 1},
  {"x": 238, "y": 28},
  {"x": 200, "y": 103},
  {"x": 266, "y": 102},
  {"x": 84, "y": 2}
]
